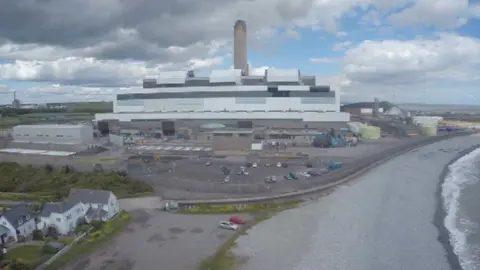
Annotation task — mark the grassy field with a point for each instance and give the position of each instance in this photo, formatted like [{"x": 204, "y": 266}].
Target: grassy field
[
  {"x": 28, "y": 254},
  {"x": 22, "y": 182}
]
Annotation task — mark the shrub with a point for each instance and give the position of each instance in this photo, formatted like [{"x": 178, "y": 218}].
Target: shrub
[
  {"x": 37, "y": 235},
  {"x": 97, "y": 225},
  {"x": 18, "y": 182},
  {"x": 49, "y": 249},
  {"x": 48, "y": 168},
  {"x": 52, "y": 232}
]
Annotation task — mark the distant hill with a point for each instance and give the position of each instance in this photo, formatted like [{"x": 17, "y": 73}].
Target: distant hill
[{"x": 382, "y": 104}]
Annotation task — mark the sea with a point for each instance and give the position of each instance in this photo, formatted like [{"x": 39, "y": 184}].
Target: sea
[{"x": 461, "y": 199}]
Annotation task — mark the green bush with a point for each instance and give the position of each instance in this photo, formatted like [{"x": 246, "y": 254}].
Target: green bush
[
  {"x": 48, "y": 249},
  {"x": 37, "y": 235},
  {"x": 21, "y": 182},
  {"x": 237, "y": 208}
]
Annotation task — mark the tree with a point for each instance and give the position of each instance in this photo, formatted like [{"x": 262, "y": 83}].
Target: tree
[
  {"x": 48, "y": 168},
  {"x": 52, "y": 232}
]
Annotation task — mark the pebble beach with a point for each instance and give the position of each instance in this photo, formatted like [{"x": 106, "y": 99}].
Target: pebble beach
[{"x": 389, "y": 218}]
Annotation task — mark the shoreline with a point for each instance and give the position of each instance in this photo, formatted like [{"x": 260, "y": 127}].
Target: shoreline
[
  {"x": 332, "y": 226},
  {"x": 440, "y": 213}
]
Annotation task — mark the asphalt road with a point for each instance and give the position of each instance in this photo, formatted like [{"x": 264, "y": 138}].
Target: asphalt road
[{"x": 160, "y": 240}]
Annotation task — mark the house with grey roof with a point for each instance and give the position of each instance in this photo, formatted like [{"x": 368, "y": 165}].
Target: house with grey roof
[
  {"x": 16, "y": 222},
  {"x": 63, "y": 216},
  {"x": 81, "y": 204},
  {"x": 100, "y": 204}
]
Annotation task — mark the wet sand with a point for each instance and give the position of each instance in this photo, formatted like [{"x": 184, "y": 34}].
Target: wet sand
[{"x": 386, "y": 219}]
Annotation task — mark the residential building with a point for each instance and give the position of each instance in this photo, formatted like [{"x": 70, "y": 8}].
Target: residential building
[
  {"x": 64, "y": 216},
  {"x": 16, "y": 222},
  {"x": 100, "y": 204}
]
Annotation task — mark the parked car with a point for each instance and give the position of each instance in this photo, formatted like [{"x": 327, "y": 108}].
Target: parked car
[
  {"x": 228, "y": 225},
  {"x": 279, "y": 164},
  {"x": 208, "y": 163},
  {"x": 254, "y": 165},
  {"x": 236, "y": 220},
  {"x": 270, "y": 179}
]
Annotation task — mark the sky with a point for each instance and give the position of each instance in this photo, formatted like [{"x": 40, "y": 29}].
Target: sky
[{"x": 415, "y": 51}]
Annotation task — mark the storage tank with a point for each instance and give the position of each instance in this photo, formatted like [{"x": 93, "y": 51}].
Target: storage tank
[
  {"x": 369, "y": 132},
  {"x": 428, "y": 130}
]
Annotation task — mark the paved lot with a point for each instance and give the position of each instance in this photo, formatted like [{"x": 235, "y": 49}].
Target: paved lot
[
  {"x": 141, "y": 203},
  {"x": 160, "y": 240}
]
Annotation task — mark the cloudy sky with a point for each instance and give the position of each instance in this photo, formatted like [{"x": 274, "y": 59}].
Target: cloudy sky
[{"x": 404, "y": 50}]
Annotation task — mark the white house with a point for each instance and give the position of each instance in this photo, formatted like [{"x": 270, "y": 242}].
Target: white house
[
  {"x": 16, "y": 222},
  {"x": 64, "y": 216},
  {"x": 100, "y": 204},
  {"x": 81, "y": 204}
]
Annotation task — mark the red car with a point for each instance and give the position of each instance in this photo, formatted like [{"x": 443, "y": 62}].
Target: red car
[{"x": 236, "y": 220}]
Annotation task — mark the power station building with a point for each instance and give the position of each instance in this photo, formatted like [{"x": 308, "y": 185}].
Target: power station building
[
  {"x": 230, "y": 97},
  {"x": 227, "y": 95}
]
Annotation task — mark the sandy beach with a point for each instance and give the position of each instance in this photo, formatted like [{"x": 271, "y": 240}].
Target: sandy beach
[{"x": 388, "y": 218}]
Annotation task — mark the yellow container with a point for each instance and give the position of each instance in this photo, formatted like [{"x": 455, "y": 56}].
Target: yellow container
[
  {"x": 369, "y": 132},
  {"x": 428, "y": 130}
]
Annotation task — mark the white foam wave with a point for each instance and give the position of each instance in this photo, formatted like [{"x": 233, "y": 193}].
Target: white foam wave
[{"x": 460, "y": 175}]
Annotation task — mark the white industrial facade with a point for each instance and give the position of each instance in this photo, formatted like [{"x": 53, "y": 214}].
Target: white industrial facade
[
  {"x": 55, "y": 134},
  {"x": 226, "y": 94}
]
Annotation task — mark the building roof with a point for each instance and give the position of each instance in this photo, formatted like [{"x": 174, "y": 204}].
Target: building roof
[
  {"x": 89, "y": 196},
  {"x": 60, "y": 207},
  {"x": 50, "y": 126},
  {"x": 18, "y": 214},
  {"x": 96, "y": 213}
]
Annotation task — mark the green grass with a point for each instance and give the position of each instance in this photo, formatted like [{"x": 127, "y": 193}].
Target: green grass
[
  {"x": 15, "y": 196},
  {"x": 94, "y": 160},
  {"x": 28, "y": 254},
  {"x": 224, "y": 259},
  {"x": 93, "y": 241},
  {"x": 238, "y": 208},
  {"x": 28, "y": 183}
]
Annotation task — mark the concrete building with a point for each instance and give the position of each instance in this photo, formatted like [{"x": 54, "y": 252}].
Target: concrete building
[
  {"x": 54, "y": 134},
  {"x": 240, "y": 59},
  {"x": 227, "y": 95}
]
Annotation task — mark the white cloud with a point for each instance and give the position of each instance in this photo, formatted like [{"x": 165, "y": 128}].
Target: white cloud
[
  {"x": 439, "y": 13},
  {"x": 342, "y": 46},
  {"x": 324, "y": 60},
  {"x": 379, "y": 68},
  {"x": 91, "y": 71}
]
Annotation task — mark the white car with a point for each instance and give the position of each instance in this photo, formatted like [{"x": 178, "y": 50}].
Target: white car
[
  {"x": 228, "y": 225},
  {"x": 254, "y": 165},
  {"x": 279, "y": 164}
]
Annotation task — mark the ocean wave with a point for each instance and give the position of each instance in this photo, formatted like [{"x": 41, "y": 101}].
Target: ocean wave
[{"x": 461, "y": 174}]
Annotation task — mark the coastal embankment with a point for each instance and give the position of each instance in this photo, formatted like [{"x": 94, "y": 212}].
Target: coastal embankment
[{"x": 388, "y": 219}]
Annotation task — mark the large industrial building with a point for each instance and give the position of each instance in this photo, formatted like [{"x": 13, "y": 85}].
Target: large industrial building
[
  {"x": 227, "y": 95},
  {"x": 53, "y": 134},
  {"x": 230, "y": 97}
]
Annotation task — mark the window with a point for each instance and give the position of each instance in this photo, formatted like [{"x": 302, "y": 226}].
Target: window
[
  {"x": 4, "y": 223},
  {"x": 20, "y": 222},
  {"x": 59, "y": 136},
  {"x": 27, "y": 217},
  {"x": 58, "y": 219},
  {"x": 69, "y": 216}
]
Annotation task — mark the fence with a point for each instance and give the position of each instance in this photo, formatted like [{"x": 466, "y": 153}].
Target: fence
[{"x": 62, "y": 251}]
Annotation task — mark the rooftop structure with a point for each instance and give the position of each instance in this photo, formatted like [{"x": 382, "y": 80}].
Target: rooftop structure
[{"x": 240, "y": 58}]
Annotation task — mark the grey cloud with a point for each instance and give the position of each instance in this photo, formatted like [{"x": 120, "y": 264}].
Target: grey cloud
[{"x": 141, "y": 29}]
